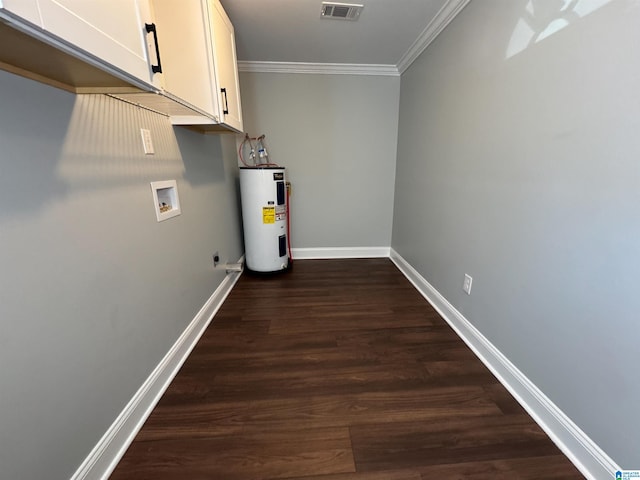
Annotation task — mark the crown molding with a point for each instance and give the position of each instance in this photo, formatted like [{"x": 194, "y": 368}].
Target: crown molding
[
  {"x": 444, "y": 16},
  {"x": 447, "y": 13},
  {"x": 318, "y": 68}
]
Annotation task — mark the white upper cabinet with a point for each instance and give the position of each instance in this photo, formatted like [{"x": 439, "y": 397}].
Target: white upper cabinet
[
  {"x": 183, "y": 50},
  {"x": 112, "y": 31},
  {"x": 226, "y": 67},
  {"x": 186, "y": 53},
  {"x": 79, "y": 45},
  {"x": 26, "y": 10},
  {"x": 198, "y": 54}
]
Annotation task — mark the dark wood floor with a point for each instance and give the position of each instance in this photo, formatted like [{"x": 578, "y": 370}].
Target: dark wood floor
[{"x": 337, "y": 370}]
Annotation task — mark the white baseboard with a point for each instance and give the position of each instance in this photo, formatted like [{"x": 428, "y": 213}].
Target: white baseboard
[
  {"x": 340, "y": 252},
  {"x": 109, "y": 450},
  {"x": 583, "y": 452}
]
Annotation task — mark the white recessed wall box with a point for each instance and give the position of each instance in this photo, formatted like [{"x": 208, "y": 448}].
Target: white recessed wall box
[{"x": 165, "y": 199}]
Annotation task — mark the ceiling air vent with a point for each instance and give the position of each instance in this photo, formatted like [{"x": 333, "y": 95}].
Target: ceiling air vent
[{"x": 341, "y": 11}]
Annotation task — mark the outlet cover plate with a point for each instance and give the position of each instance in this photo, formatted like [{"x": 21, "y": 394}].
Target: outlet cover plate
[
  {"x": 147, "y": 142},
  {"x": 466, "y": 285}
]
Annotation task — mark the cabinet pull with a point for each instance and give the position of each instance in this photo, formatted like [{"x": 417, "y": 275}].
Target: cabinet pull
[
  {"x": 226, "y": 102},
  {"x": 151, "y": 28}
]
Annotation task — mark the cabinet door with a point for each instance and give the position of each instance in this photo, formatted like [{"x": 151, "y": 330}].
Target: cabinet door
[
  {"x": 186, "y": 52},
  {"x": 226, "y": 67},
  {"x": 24, "y": 9},
  {"x": 112, "y": 31}
]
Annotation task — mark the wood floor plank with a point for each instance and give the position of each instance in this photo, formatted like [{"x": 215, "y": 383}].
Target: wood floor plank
[
  {"x": 362, "y": 318},
  {"x": 318, "y": 381},
  {"x": 503, "y": 399},
  {"x": 446, "y": 439},
  {"x": 553, "y": 467},
  {"x": 338, "y": 370},
  {"x": 385, "y": 475},
  {"x": 324, "y": 411},
  {"x": 244, "y": 456}
]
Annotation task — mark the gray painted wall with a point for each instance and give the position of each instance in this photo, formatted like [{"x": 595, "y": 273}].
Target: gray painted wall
[
  {"x": 336, "y": 135},
  {"x": 518, "y": 163},
  {"x": 93, "y": 291}
]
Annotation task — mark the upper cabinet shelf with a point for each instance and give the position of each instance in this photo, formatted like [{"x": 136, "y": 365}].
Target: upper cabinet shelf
[{"x": 107, "y": 46}]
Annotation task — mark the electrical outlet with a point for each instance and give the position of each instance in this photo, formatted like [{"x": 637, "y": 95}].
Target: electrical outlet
[
  {"x": 466, "y": 285},
  {"x": 216, "y": 259},
  {"x": 147, "y": 143}
]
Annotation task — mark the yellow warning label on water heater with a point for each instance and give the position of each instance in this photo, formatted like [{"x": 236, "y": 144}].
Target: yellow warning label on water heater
[{"x": 268, "y": 214}]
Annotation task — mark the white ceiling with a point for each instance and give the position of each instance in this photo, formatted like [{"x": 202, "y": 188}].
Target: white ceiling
[{"x": 292, "y": 30}]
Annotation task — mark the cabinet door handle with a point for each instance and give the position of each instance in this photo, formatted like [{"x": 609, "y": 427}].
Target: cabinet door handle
[
  {"x": 151, "y": 28},
  {"x": 226, "y": 102}
]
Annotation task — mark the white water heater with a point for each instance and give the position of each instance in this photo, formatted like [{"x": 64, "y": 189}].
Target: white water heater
[{"x": 263, "y": 194}]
